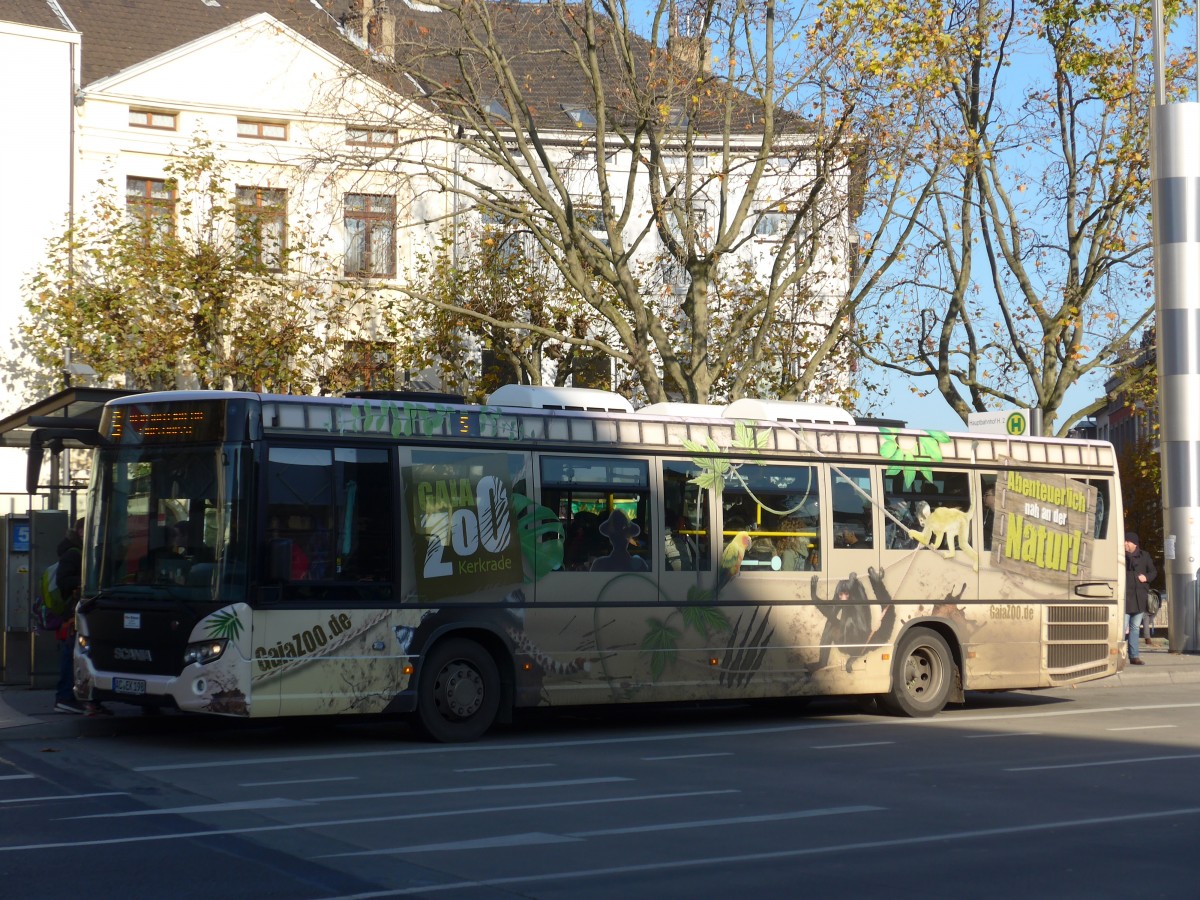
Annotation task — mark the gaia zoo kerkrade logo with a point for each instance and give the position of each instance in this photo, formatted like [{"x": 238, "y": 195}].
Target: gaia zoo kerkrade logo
[{"x": 461, "y": 513}]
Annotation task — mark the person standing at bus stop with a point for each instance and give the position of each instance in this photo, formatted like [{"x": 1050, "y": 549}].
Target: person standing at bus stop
[
  {"x": 1139, "y": 572},
  {"x": 69, "y": 577}
]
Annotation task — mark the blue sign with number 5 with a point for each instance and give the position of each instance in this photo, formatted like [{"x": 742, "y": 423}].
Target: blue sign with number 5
[{"x": 20, "y": 536}]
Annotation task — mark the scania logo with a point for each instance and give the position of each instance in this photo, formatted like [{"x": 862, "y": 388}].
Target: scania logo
[{"x": 132, "y": 654}]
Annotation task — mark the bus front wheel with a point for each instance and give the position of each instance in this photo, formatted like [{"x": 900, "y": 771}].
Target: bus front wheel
[
  {"x": 922, "y": 674},
  {"x": 459, "y": 691}
]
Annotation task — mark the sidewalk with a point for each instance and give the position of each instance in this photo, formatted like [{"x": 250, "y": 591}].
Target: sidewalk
[
  {"x": 21, "y": 707},
  {"x": 1162, "y": 667}
]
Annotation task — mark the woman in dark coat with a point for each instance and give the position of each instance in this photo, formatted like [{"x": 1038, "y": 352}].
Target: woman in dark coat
[{"x": 1139, "y": 572}]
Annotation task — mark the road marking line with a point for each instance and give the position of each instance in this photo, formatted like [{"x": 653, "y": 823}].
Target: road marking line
[
  {"x": 970, "y": 737},
  {"x": 234, "y": 806},
  {"x": 297, "y": 781},
  {"x": 1107, "y": 762},
  {"x": 367, "y": 820},
  {"x": 739, "y": 820},
  {"x": 945, "y": 720},
  {"x": 772, "y": 855},
  {"x": 66, "y": 797},
  {"x": 506, "y": 768},
  {"x": 848, "y": 746},
  {"x": 683, "y": 756},
  {"x": 15, "y": 777},
  {"x": 528, "y": 839},
  {"x": 507, "y": 748},
  {"x": 473, "y": 789},
  {"x": 536, "y": 837},
  {"x": 1140, "y": 727}
]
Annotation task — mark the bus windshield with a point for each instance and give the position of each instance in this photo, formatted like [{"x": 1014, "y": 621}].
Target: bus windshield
[{"x": 163, "y": 520}]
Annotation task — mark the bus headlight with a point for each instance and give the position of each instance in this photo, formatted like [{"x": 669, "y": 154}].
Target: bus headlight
[
  {"x": 204, "y": 652},
  {"x": 82, "y": 644}
]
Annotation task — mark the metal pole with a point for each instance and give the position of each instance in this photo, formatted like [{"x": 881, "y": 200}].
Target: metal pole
[{"x": 1175, "y": 191}]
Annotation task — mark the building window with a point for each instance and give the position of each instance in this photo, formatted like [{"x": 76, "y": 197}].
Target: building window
[
  {"x": 148, "y": 118},
  {"x": 370, "y": 234},
  {"x": 771, "y": 224},
  {"x": 592, "y": 218},
  {"x": 262, "y": 212},
  {"x": 272, "y": 131},
  {"x": 372, "y": 137},
  {"x": 150, "y": 203},
  {"x": 580, "y": 116},
  {"x": 368, "y": 366},
  {"x": 687, "y": 223}
]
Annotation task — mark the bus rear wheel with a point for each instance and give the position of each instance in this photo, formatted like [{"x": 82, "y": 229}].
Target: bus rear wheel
[
  {"x": 922, "y": 674},
  {"x": 458, "y": 695}
]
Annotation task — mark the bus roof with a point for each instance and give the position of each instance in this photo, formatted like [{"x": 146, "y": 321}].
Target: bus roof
[{"x": 575, "y": 424}]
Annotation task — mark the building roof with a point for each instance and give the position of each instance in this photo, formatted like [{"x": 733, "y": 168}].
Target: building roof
[
  {"x": 428, "y": 44},
  {"x": 38, "y": 13}
]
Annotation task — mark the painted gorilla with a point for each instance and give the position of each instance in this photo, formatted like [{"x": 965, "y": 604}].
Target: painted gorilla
[{"x": 848, "y": 618}]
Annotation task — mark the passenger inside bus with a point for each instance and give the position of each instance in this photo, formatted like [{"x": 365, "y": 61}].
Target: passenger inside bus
[
  {"x": 172, "y": 562},
  {"x": 796, "y": 551},
  {"x": 299, "y": 559}
]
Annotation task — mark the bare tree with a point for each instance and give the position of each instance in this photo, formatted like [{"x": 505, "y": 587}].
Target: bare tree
[
  {"x": 1046, "y": 123},
  {"x": 694, "y": 176}
]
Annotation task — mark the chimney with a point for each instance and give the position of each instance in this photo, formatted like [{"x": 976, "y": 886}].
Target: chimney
[
  {"x": 362, "y": 12},
  {"x": 387, "y": 29}
]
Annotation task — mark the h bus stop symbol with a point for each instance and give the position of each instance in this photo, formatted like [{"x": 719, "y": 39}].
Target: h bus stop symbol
[{"x": 1016, "y": 424}]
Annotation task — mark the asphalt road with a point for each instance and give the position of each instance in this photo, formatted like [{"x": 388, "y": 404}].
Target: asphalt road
[{"x": 1065, "y": 793}]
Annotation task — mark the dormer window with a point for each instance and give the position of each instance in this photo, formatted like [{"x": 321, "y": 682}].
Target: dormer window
[
  {"x": 497, "y": 110},
  {"x": 581, "y": 116}
]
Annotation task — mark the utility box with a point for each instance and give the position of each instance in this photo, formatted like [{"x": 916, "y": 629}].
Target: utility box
[{"x": 16, "y": 539}]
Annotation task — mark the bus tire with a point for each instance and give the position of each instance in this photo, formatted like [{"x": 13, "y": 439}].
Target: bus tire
[
  {"x": 458, "y": 695},
  {"x": 922, "y": 674}
]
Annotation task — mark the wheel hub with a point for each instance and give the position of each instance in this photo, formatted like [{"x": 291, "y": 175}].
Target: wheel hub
[{"x": 462, "y": 690}]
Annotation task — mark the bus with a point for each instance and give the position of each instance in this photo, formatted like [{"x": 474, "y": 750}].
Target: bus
[{"x": 260, "y": 556}]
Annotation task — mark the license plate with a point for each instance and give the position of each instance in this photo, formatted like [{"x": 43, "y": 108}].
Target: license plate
[{"x": 129, "y": 686}]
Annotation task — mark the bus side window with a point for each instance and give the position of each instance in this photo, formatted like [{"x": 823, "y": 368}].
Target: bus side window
[
  {"x": 852, "y": 525},
  {"x": 334, "y": 510},
  {"x": 603, "y": 505},
  {"x": 900, "y": 518},
  {"x": 1102, "y": 487},
  {"x": 988, "y": 501},
  {"x": 686, "y": 538}
]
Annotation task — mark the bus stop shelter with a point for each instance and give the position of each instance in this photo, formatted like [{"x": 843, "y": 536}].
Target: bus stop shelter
[{"x": 31, "y": 529}]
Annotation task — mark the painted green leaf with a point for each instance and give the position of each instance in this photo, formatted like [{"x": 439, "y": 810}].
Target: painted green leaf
[
  {"x": 224, "y": 624},
  {"x": 661, "y": 644},
  {"x": 940, "y": 436},
  {"x": 929, "y": 448},
  {"x": 910, "y": 475},
  {"x": 706, "y": 620},
  {"x": 888, "y": 448}
]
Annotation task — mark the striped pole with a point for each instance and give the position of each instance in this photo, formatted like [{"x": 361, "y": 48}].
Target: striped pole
[{"x": 1175, "y": 186}]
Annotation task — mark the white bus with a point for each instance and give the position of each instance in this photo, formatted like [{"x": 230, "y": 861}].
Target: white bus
[{"x": 254, "y": 555}]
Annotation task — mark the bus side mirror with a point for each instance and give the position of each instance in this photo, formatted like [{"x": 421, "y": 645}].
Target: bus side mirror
[{"x": 279, "y": 561}]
